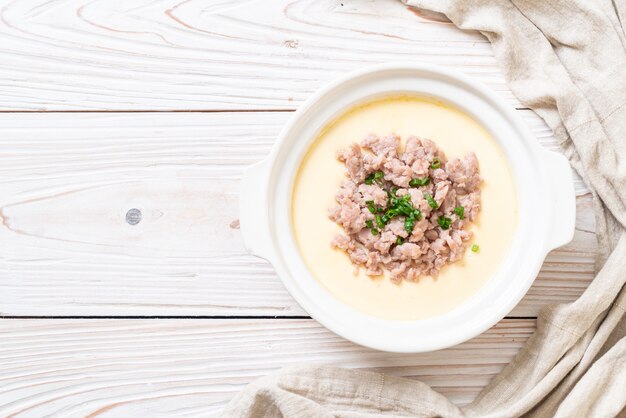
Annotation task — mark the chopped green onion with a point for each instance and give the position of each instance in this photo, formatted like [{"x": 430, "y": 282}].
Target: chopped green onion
[
  {"x": 377, "y": 177},
  {"x": 431, "y": 202},
  {"x": 399, "y": 241},
  {"x": 374, "y": 177},
  {"x": 396, "y": 206},
  {"x": 459, "y": 210},
  {"x": 444, "y": 222},
  {"x": 436, "y": 163},
  {"x": 475, "y": 248},
  {"x": 419, "y": 182},
  {"x": 409, "y": 224}
]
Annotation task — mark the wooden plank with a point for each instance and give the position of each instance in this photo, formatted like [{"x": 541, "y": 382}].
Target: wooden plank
[
  {"x": 193, "y": 367},
  {"x": 68, "y": 180},
  {"x": 165, "y": 55}
]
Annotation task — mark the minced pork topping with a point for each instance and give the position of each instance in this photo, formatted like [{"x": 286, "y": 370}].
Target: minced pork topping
[{"x": 406, "y": 212}]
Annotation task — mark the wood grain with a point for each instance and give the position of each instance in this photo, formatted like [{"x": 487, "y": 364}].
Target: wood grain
[
  {"x": 193, "y": 54},
  {"x": 68, "y": 180},
  {"x": 193, "y": 367}
]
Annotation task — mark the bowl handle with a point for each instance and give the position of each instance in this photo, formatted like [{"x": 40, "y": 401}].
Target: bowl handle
[
  {"x": 562, "y": 199},
  {"x": 254, "y": 211}
]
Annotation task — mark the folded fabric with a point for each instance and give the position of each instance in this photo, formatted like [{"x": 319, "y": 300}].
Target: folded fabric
[{"x": 566, "y": 60}]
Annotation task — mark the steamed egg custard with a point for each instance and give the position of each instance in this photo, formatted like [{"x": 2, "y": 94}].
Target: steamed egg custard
[{"x": 407, "y": 205}]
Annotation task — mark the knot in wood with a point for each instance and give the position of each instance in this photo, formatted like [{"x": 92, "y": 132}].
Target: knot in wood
[{"x": 133, "y": 216}]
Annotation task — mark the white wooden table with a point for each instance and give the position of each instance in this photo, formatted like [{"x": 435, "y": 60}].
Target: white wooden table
[{"x": 159, "y": 106}]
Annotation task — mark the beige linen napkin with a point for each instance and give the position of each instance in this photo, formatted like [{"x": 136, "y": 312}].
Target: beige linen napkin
[{"x": 566, "y": 60}]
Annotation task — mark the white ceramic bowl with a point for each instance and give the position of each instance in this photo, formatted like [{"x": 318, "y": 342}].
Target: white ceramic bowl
[{"x": 545, "y": 219}]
